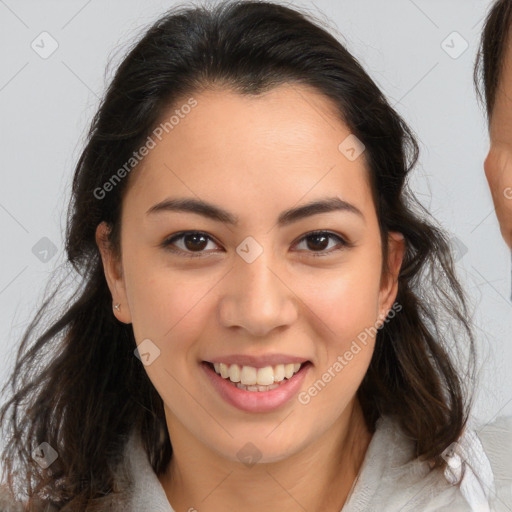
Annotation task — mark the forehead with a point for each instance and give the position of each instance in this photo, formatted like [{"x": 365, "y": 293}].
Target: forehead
[{"x": 284, "y": 143}]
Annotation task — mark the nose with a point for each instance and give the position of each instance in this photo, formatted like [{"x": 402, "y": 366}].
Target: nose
[{"x": 258, "y": 297}]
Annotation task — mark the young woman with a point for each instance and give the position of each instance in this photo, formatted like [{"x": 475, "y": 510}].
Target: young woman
[{"x": 266, "y": 319}]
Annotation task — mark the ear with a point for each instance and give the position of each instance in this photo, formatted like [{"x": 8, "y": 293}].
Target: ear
[
  {"x": 389, "y": 281},
  {"x": 113, "y": 273}
]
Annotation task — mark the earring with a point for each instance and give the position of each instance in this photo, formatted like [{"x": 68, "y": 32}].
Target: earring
[{"x": 116, "y": 306}]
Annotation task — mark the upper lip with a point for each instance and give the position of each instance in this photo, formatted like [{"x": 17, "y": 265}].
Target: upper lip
[{"x": 257, "y": 361}]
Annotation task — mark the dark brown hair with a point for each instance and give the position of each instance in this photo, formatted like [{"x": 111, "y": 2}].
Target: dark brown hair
[
  {"x": 491, "y": 53},
  {"x": 77, "y": 384}
]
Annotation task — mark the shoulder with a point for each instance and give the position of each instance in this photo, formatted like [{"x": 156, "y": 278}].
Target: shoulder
[
  {"x": 477, "y": 476},
  {"x": 496, "y": 439},
  {"x": 393, "y": 479}
]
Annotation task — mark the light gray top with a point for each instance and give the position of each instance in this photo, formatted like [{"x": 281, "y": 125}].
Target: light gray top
[{"x": 478, "y": 478}]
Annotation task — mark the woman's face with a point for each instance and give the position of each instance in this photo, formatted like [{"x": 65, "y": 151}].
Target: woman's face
[{"x": 253, "y": 288}]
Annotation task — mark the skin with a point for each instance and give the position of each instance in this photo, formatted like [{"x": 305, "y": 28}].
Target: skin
[
  {"x": 255, "y": 156},
  {"x": 498, "y": 163}
]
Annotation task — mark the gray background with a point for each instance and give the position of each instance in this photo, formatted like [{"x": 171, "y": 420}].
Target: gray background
[{"x": 47, "y": 104}]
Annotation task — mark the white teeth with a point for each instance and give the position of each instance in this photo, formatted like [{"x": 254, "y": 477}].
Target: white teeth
[
  {"x": 256, "y": 388},
  {"x": 255, "y": 379},
  {"x": 278, "y": 372},
  {"x": 234, "y": 373},
  {"x": 223, "y": 370},
  {"x": 288, "y": 370},
  {"x": 248, "y": 375},
  {"x": 265, "y": 376}
]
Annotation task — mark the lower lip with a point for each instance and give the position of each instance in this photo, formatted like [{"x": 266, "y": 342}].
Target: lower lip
[{"x": 256, "y": 401}]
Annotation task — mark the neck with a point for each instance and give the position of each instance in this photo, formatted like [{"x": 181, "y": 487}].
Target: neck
[{"x": 318, "y": 477}]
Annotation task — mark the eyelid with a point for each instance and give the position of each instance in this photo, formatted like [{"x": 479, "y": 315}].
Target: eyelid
[{"x": 343, "y": 242}]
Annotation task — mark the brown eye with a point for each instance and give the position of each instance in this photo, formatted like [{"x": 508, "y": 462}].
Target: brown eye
[
  {"x": 318, "y": 241},
  {"x": 190, "y": 242},
  {"x": 195, "y": 241}
]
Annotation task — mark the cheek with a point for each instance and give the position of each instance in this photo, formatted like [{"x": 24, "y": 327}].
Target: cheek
[
  {"x": 171, "y": 309},
  {"x": 347, "y": 306},
  {"x": 347, "y": 299},
  {"x": 165, "y": 304}
]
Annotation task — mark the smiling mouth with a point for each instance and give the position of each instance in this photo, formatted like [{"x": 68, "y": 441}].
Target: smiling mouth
[{"x": 249, "y": 378}]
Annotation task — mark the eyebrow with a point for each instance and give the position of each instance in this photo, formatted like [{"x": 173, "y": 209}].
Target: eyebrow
[{"x": 216, "y": 213}]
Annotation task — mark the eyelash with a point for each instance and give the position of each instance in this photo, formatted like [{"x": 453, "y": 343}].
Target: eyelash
[{"x": 166, "y": 244}]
